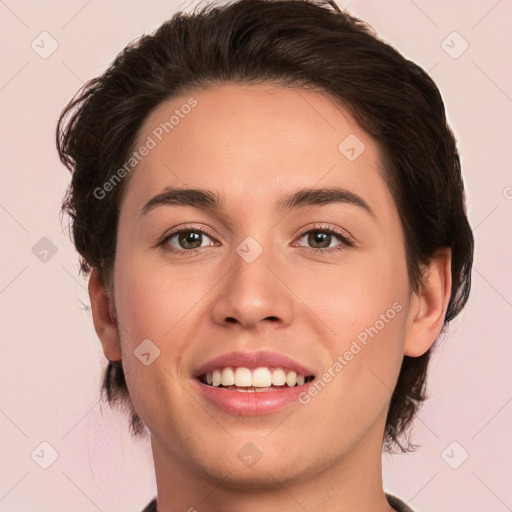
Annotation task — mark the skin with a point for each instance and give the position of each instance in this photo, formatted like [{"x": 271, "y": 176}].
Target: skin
[{"x": 252, "y": 145}]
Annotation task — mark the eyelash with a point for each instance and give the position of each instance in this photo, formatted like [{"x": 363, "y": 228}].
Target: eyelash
[{"x": 345, "y": 238}]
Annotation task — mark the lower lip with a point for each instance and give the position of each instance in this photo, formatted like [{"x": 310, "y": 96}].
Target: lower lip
[{"x": 251, "y": 403}]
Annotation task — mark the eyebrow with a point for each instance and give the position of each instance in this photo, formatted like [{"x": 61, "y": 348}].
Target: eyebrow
[{"x": 210, "y": 200}]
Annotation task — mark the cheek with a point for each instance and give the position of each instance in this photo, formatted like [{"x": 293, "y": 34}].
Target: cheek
[
  {"x": 166, "y": 305},
  {"x": 353, "y": 295},
  {"x": 153, "y": 298},
  {"x": 139, "y": 304},
  {"x": 140, "y": 294},
  {"x": 157, "y": 304},
  {"x": 364, "y": 306}
]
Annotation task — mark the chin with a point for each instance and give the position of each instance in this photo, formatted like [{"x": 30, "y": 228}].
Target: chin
[
  {"x": 244, "y": 466},
  {"x": 262, "y": 476}
]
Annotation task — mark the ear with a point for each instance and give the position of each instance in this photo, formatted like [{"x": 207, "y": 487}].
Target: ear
[
  {"x": 103, "y": 315},
  {"x": 429, "y": 304}
]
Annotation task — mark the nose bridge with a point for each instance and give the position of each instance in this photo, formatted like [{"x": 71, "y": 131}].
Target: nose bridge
[{"x": 252, "y": 291}]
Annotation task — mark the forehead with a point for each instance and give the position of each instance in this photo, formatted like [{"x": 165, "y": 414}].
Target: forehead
[{"x": 251, "y": 142}]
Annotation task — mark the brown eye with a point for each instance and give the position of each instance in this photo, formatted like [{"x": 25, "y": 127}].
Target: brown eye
[
  {"x": 186, "y": 240},
  {"x": 321, "y": 239},
  {"x": 189, "y": 239}
]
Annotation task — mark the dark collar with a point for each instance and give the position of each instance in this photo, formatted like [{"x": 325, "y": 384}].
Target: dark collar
[{"x": 395, "y": 502}]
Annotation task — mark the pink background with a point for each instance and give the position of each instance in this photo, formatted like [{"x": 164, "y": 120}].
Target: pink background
[{"x": 51, "y": 358}]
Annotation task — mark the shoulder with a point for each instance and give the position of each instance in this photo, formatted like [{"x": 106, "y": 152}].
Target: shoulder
[
  {"x": 397, "y": 504},
  {"x": 151, "y": 507}
]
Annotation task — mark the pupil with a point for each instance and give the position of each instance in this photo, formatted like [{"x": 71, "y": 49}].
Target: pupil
[
  {"x": 189, "y": 237},
  {"x": 319, "y": 237}
]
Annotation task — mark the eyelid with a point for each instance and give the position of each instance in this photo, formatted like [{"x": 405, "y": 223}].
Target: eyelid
[
  {"x": 200, "y": 228},
  {"x": 342, "y": 233}
]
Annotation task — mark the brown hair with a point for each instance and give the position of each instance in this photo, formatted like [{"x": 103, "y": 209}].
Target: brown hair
[{"x": 296, "y": 43}]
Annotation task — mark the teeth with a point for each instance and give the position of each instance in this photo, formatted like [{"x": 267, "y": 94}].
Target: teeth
[
  {"x": 278, "y": 377},
  {"x": 291, "y": 378},
  {"x": 262, "y": 378},
  {"x": 248, "y": 390},
  {"x": 228, "y": 377},
  {"x": 217, "y": 378},
  {"x": 243, "y": 378}
]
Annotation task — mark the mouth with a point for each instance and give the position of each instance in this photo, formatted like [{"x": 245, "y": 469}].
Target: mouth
[
  {"x": 251, "y": 384},
  {"x": 259, "y": 379}
]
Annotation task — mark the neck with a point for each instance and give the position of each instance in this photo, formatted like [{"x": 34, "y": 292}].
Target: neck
[{"x": 352, "y": 483}]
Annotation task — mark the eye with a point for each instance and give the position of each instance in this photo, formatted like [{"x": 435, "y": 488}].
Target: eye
[
  {"x": 323, "y": 239},
  {"x": 187, "y": 239}
]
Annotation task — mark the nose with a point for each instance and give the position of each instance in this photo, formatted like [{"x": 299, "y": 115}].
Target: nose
[{"x": 253, "y": 294}]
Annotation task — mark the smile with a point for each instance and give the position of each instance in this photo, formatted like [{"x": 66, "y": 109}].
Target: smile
[
  {"x": 257, "y": 379},
  {"x": 252, "y": 383}
]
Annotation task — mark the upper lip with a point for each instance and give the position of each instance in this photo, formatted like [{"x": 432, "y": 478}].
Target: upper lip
[{"x": 252, "y": 360}]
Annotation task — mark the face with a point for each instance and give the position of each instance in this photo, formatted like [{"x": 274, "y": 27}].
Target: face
[{"x": 268, "y": 283}]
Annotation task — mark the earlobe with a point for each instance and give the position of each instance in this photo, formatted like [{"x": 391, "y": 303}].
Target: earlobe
[
  {"x": 103, "y": 314},
  {"x": 428, "y": 309}
]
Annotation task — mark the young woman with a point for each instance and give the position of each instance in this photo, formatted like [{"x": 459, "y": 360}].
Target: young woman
[{"x": 269, "y": 202}]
